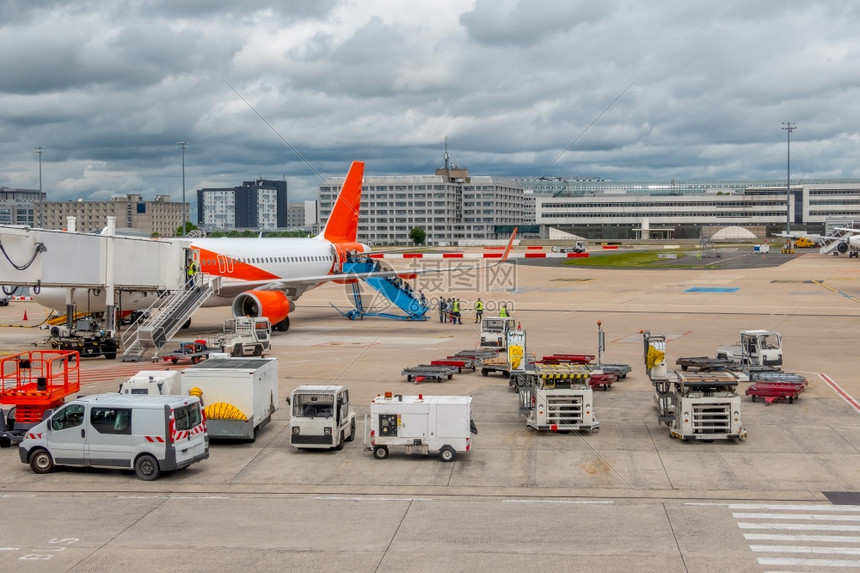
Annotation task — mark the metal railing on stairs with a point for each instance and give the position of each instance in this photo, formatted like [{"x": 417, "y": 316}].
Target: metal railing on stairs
[{"x": 165, "y": 317}]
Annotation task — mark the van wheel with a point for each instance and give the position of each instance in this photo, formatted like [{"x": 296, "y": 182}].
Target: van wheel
[
  {"x": 340, "y": 442},
  {"x": 237, "y": 350},
  {"x": 258, "y": 350},
  {"x": 351, "y": 431},
  {"x": 380, "y": 452},
  {"x": 146, "y": 468},
  {"x": 448, "y": 454},
  {"x": 41, "y": 462}
]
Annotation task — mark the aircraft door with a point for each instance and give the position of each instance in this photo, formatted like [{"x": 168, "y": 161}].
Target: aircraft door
[{"x": 225, "y": 265}]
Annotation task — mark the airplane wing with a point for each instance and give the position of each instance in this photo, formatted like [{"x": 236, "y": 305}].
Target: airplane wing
[{"x": 811, "y": 236}]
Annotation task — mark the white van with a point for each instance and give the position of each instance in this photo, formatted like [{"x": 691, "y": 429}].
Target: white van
[{"x": 149, "y": 434}]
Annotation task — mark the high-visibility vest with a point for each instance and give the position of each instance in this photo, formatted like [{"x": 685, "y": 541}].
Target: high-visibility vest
[
  {"x": 456, "y": 306},
  {"x": 479, "y": 306},
  {"x": 192, "y": 269},
  {"x": 503, "y": 312}
]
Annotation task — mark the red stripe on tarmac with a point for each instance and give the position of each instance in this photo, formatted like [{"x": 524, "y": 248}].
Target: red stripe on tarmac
[
  {"x": 452, "y": 255},
  {"x": 838, "y": 389},
  {"x": 535, "y": 255},
  {"x": 610, "y": 246},
  {"x": 534, "y": 248},
  {"x": 123, "y": 371},
  {"x": 492, "y": 255},
  {"x": 376, "y": 256},
  {"x": 413, "y": 255}
]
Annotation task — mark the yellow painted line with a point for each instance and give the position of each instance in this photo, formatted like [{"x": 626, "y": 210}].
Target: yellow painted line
[{"x": 837, "y": 291}]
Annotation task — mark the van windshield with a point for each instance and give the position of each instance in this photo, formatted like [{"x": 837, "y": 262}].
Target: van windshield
[
  {"x": 313, "y": 405},
  {"x": 187, "y": 417}
]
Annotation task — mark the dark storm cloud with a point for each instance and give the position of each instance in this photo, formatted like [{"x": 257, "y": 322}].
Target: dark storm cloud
[{"x": 108, "y": 89}]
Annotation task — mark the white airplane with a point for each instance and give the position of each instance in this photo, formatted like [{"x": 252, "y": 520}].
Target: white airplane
[
  {"x": 263, "y": 277},
  {"x": 841, "y": 241}
]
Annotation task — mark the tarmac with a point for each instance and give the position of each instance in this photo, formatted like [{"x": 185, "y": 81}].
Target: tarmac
[{"x": 628, "y": 497}]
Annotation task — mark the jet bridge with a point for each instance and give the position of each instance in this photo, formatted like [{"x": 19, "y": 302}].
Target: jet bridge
[
  {"x": 42, "y": 258},
  {"x": 49, "y": 258}
]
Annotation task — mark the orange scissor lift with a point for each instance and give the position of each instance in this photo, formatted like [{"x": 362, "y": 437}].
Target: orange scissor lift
[{"x": 33, "y": 382}]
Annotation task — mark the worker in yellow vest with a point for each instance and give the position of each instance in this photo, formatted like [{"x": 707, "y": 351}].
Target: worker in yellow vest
[
  {"x": 479, "y": 310},
  {"x": 503, "y": 312}
]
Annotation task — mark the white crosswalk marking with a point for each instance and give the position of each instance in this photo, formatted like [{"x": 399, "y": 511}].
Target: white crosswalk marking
[{"x": 801, "y": 536}]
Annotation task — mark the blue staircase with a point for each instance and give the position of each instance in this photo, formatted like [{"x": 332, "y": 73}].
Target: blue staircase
[{"x": 394, "y": 289}]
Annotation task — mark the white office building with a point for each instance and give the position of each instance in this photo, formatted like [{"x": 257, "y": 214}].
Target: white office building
[{"x": 450, "y": 206}]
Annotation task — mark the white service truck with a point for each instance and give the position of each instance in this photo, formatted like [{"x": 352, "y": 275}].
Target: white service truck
[
  {"x": 240, "y": 394},
  {"x": 756, "y": 347},
  {"x": 322, "y": 417},
  {"x": 421, "y": 424}
]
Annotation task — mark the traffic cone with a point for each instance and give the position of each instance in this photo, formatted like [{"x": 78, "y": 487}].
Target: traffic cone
[{"x": 25, "y": 314}]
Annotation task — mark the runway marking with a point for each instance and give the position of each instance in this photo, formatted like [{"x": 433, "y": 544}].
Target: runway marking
[
  {"x": 779, "y": 507},
  {"x": 805, "y": 541},
  {"x": 792, "y": 537},
  {"x": 809, "y": 562},
  {"x": 838, "y": 389},
  {"x": 799, "y": 526},
  {"x": 808, "y": 516},
  {"x": 570, "y": 501},
  {"x": 837, "y": 291},
  {"x": 807, "y": 549},
  {"x": 365, "y": 498}
]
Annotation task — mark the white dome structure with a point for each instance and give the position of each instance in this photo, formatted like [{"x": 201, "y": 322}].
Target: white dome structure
[{"x": 733, "y": 232}]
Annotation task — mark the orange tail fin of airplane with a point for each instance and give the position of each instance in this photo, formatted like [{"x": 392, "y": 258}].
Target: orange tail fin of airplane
[
  {"x": 342, "y": 224},
  {"x": 510, "y": 245}
]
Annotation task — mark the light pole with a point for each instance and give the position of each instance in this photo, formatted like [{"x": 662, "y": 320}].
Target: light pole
[
  {"x": 40, "y": 150},
  {"x": 789, "y": 127},
  {"x": 183, "y": 146}
]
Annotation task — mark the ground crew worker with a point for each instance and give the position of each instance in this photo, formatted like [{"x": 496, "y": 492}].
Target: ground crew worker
[
  {"x": 479, "y": 310},
  {"x": 192, "y": 272},
  {"x": 455, "y": 312},
  {"x": 503, "y": 312},
  {"x": 442, "y": 310}
]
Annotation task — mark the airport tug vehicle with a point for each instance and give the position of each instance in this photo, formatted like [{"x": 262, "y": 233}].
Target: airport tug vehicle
[
  {"x": 694, "y": 406},
  {"x": 321, "y": 417}
]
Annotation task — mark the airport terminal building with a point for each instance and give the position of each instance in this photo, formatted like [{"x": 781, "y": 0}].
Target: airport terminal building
[
  {"x": 598, "y": 209},
  {"x": 454, "y": 207}
]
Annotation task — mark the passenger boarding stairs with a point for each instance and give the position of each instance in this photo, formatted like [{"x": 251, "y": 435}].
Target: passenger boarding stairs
[
  {"x": 836, "y": 242},
  {"x": 392, "y": 288},
  {"x": 164, "y": 319}
]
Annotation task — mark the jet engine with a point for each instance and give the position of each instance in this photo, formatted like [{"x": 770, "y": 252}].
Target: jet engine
[
  {"x": 271, "y": 304},
  {"x": 842, "y": 247}
]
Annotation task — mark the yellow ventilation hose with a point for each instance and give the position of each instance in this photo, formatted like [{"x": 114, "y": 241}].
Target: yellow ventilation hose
[{"x": 224, "y": 411}]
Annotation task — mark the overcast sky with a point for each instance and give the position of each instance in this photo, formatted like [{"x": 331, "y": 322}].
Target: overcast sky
[{"x": 109, "y": 87}]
